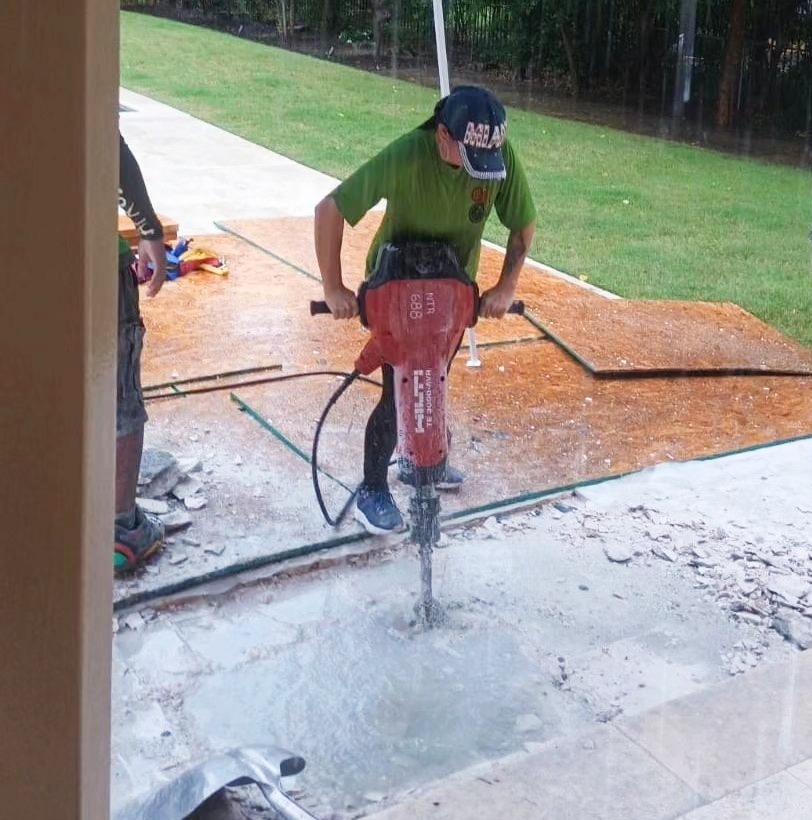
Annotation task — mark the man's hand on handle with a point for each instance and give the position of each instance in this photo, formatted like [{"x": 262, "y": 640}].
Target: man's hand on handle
[
  {"x": 494, "y": 303},
  {"x": 329, "y": 233},
  {"x": 342, "y": 302}
]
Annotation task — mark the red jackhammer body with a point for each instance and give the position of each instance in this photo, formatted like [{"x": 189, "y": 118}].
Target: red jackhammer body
[{"x": 417, "y": 305}]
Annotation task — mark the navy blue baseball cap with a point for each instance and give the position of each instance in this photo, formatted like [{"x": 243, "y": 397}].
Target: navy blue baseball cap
[{"x": 477, "y": 121}]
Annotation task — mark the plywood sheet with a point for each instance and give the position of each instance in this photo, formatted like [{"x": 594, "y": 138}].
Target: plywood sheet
[
  {"x": 625, "y": 337},
  {"x": 531, "y": 419},
  {"x": 608, "y": 336},
  {"x": 202, "y": 324}
]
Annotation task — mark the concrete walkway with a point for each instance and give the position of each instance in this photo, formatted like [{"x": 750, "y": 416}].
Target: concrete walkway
[
  {"x": 739, "y": 749},
  {"x": 198, "y": 174}
]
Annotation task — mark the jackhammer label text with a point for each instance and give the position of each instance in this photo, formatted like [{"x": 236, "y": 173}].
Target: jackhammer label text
[{"x": 423, "y": 400}]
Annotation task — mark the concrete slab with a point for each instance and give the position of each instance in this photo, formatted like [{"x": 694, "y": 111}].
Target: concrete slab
[
  {"x": 596, "y": 776},
  {"x": 716, "y": 746},
  {"x": 780, "y": 797},
  {"x": 803, "y": 771},
  {"x": 545, "y": 638}
]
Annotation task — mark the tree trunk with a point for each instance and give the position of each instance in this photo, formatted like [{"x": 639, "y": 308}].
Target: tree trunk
[
  {"x": 379, "y": 14},
  {"x": 328, "y": 21},
  {"x": 395, "y": 36},
  {"x": 569, "y": 51},
  {"x": 646, "y": 25},
  {"x": 734, "y": 48},
  {"x": 284, "y": 31}
]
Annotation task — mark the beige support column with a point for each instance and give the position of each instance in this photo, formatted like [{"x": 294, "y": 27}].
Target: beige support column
[{"x": 58, "y": 167}]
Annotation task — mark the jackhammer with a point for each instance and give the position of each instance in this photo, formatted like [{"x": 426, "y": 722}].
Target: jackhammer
[{"x": 417, "y": 305}]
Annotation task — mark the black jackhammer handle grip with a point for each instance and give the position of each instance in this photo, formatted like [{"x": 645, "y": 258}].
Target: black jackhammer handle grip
[{"x": 517, "y": 307}]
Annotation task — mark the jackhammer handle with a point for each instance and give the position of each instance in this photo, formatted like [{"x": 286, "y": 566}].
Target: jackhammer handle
[{"x": 320, "y": 306}]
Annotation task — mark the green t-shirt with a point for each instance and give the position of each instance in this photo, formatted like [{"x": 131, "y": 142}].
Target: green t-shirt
[{"x": 428, "y": 199}]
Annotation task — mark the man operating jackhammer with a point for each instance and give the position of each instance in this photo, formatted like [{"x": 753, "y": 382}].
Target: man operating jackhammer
[{"x": 440, "y": 182}]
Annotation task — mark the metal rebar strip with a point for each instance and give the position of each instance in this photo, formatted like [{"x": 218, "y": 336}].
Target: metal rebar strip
[
  {"x": 262, "y": 248},
  {"x": 279, "y": 435},
  {"x": 213, "y": 377}
]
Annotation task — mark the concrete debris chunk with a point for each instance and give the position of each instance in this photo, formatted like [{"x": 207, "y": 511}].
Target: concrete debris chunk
[
  {"x": 133, "y": 621},
  {"x": 491, "y": 528},
  {"x": 789, "y": 587},
  {"x": 750, "y": 617},
  {"x": 153, "y": 505},
  {"x": 215, "y": 549},
  {"x": 195, "y": 502},
  {"x": 747, "y": 587},
  {"x": 178, "y": 558},
  {"x": 703, "y": 564},
  {"x": 186, "y": 487},
  {"x": 795, "y": 628},
  {"x": 665, "y": 554},
  {"x": 153, "y": 463},
  {"x": 158, "y": 474},
  {"x": 190, "y": 464},
  {"x": 176, "y": 520},
  {"x": 749, "y": 607},
  {"x": 618, "y": 553}
]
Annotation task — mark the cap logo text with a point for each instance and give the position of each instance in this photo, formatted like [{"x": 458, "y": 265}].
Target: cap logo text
[{"x": 479, "y": 135}]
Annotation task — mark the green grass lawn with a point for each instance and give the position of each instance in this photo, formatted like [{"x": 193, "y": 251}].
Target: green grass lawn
[{"x": 642, "y": 217}]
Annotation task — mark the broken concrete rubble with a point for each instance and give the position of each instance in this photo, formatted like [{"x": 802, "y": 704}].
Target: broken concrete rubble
[
  {"x": 167, "y": 489},
  {"x": 158, "y": 475},
  {"x": 764, "y": 584}
]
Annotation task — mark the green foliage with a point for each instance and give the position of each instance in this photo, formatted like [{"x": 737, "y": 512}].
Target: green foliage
[
  {"x": 350, "y": 36},
  {"x": 616, "y": 48},
  {"x": 641, "y": 217}
]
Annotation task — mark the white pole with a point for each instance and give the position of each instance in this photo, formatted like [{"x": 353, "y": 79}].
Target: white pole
[
  {"x": 442, "y": 58},
  {"x": 445, "y": 88}
]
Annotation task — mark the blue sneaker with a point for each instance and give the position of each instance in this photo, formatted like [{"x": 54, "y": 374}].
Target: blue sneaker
[
  {"x": 376, "y": 512},
  {"x": 451, "y": 479}
]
